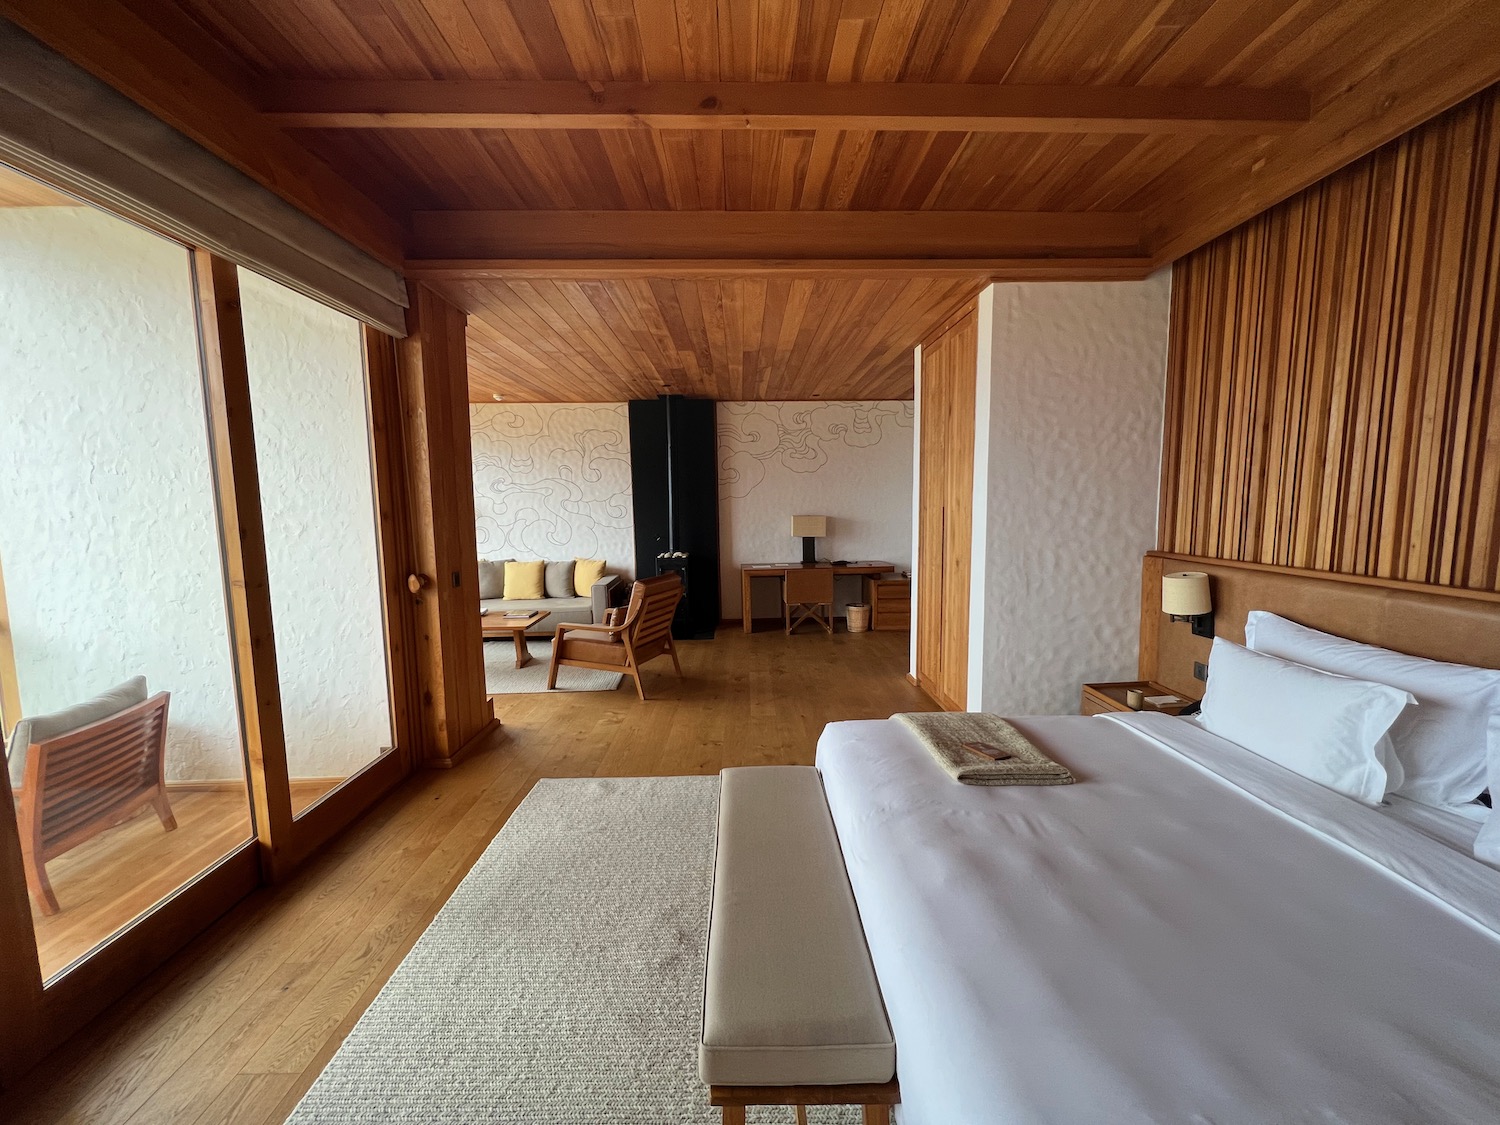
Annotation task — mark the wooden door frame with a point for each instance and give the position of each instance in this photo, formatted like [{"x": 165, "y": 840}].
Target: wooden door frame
[
  {"x": 285, "y": 839},
  {"x": 10, "y": 685}
]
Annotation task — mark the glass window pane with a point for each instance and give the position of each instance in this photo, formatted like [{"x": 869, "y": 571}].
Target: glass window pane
[
  {"x": 307, "y": 391},
  {"x": 113, "y": 578}
]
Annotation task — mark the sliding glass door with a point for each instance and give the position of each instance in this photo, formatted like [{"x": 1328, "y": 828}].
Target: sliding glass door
[
  {"x": 312, "y": 446},
  {"x": 124, "y": 746},
  {"x": 204, "y": 612}
]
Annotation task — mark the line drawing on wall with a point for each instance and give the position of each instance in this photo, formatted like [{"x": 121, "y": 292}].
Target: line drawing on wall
[
  {"x": 552, "y": 482},
  {"x": 796, "y": 435}
]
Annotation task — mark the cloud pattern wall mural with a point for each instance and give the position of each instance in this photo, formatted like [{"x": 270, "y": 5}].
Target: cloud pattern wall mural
[
  {"x": 849, "y": 461},
  {"x": 553, "y": 482},
  {"x": 757, "y": 436}
]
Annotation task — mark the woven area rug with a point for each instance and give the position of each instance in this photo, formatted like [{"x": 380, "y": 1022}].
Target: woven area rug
[
  {"x": 502, "y": 677},
  {"x": 563, "y": 981}
]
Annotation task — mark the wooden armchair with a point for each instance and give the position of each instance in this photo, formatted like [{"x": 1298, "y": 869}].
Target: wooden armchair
[
  {"x": 80, "y": 782},
  {"x": 643, "y": 633}
]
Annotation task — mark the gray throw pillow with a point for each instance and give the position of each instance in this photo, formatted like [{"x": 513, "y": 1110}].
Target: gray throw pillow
[
  {"x": 492, "y": 578},
  {"x": 39, "y": 728},
  {"x": 560, "y": 579}
]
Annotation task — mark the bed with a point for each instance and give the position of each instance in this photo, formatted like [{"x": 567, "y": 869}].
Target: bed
[{"x": 1191, "y": 933}]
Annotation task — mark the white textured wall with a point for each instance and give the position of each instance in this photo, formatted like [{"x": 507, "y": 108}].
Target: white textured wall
[
  {"x": 307, "y": 389},
  {"x": 850, "y": 461},
  {"x": 1068, "y": 453},
  {"x": 108, "y": 534},
  {"x": 553, "y": 482}
]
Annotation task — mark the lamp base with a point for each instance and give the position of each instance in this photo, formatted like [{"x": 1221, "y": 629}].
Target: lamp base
[{"x": 809, "y": 550}]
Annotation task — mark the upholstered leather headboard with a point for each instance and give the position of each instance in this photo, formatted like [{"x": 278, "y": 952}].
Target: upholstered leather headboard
[{"x": 1437, "y": 622}]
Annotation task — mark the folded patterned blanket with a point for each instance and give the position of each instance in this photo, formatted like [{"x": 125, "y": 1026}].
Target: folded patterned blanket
[{"x": 979, "y": 749}]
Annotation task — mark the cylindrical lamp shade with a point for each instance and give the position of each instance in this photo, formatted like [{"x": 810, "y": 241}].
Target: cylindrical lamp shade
[
  {"x": 1186, "y": 594},
  {"x": 816, "y": 526}
]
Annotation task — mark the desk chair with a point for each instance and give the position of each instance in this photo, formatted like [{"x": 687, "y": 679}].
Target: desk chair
[{"x": 810, "y": 591}]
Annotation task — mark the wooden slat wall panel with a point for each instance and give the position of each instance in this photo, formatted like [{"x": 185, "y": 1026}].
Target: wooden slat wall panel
[{"x": 1332, "y": 399}]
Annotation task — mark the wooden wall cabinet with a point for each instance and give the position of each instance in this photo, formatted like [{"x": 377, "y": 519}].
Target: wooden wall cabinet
[{"x": 945, "y": 496}]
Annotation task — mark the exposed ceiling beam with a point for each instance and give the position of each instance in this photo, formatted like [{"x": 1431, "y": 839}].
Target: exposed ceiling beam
[
  {"x": 762, "y": 235},
  {"x": 1454, "y": 59},
  {"x": 921, "y": 107},
  {"x": 888, "y": 269}
]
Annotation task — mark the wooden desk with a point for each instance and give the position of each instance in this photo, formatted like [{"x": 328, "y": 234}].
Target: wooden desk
[{"x": 778, "y": 571}]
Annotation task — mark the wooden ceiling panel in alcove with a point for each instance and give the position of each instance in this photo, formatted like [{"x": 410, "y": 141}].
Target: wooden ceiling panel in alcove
[{"x": 576, "y": 340}]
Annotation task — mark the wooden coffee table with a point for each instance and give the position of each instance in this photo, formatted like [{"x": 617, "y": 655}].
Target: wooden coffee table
[{"x": 497, "y": 625}]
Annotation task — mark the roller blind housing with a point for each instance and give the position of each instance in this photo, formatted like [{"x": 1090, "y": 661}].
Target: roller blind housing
[{"x": 63, "y": 125}]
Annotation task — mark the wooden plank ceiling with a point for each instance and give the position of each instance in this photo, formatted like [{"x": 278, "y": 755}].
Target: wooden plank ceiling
[
  {"x": 740, "y": 338},
  {"x": 543, "y": 152}
]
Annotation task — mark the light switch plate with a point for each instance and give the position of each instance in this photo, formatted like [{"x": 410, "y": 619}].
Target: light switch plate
[{"x": 1200, "y": 671}]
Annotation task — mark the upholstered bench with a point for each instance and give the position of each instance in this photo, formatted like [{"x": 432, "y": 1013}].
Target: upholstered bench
[{"x": 792, "y": 1013}]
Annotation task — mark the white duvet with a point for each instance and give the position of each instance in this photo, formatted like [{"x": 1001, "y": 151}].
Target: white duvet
[{"x": 1189, "y": 934}]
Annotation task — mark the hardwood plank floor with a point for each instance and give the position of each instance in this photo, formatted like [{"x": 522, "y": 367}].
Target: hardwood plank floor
[
  {"x": 105, "y": 882},
  {"x": 239, "y": 1025}
]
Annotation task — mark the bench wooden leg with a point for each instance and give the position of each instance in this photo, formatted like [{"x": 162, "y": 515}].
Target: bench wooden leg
[{"x": 875, "y": 1099}]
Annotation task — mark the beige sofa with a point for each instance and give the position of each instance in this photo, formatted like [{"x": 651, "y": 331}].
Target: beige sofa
[{"x": 576, "y": 610}]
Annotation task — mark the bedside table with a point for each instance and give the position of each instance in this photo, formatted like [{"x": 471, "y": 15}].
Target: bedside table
[{"x": 1099, "y": 698}]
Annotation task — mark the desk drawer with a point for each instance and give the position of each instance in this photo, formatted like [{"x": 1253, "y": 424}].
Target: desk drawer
[{"x": 890, "y": 603}]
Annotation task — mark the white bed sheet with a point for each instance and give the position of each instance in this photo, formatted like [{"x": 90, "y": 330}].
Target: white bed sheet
[{"x": 1190, "y": 933}]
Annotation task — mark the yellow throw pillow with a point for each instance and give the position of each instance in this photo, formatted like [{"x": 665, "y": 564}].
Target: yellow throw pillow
[
  {"x": 585, "y": 573},
  {"x": 525, "y": 580}
]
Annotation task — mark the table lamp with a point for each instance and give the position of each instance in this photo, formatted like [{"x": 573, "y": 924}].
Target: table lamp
[{"x": 810, "y": 528}]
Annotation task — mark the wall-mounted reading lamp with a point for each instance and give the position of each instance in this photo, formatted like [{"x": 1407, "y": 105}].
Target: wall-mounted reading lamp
[
  {"x": 811, "y": 529},
  {"x": 1185, "y": 596}
]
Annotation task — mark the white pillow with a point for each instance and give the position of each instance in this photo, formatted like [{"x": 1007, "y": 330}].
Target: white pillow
[
  {"x": 1445, "y": 743},
  {"x": 1325, "y": 727}
]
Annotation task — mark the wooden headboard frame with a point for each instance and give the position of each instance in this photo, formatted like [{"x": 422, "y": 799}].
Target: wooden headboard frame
[{"x": 1438, "y": 622}]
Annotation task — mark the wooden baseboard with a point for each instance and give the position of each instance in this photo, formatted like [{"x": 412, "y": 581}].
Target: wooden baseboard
[
  {"x": 944, "y": 704},
  {"x": 487, "y": 732}
]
